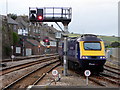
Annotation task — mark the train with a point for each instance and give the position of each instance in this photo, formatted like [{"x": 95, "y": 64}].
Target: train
[{"x": 86, "y": 52}]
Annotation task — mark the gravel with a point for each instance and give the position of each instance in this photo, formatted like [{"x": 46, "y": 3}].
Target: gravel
[
  {"x": 72, "y": 79},
  {"x": 10, "y": 77}
]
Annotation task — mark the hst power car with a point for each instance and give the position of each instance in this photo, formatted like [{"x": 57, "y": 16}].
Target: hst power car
[{"x": 86, "y": 52}]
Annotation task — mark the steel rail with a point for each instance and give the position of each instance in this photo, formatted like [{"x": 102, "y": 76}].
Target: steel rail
[
  {"x": 118, "y": 73},
  {"x": 112, "y": 67},
  {"x": 113, "y": 81},
  {"x": 44, "y": 74},
  {"x": 26, "y": 75},
  {"x": 21, "y": 66},
  {"x": 28, "y": 57}
]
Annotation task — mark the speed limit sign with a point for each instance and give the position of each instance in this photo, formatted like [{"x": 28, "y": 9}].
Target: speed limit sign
[
  {"x": 54, "y": 72},
  {"x": 87, "y": 73}
]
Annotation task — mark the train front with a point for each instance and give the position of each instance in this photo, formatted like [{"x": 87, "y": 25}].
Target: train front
[{"x": 92, "y": 54}]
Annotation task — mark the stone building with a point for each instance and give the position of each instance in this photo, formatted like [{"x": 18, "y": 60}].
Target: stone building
[
  {"x": 30, "y": 34},
  {"x": 8, "y": 26}
]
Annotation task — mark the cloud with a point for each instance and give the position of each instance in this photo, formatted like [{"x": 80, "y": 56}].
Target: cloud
[{"x": 95, "y": 16}]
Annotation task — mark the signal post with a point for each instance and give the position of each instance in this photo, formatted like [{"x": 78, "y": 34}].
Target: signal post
[
  {"x": 57, "y": 14},
  {"x": 65, "y": 65}
]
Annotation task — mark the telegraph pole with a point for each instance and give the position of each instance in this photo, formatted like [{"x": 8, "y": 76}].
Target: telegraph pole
[{"x": 6, "y": 7}]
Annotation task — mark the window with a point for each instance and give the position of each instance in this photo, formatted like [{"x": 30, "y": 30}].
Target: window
[
  {"x": 15, "y": 27},
  {"x": 18, "y": 49},
  {"x": 92, "y": 46}
]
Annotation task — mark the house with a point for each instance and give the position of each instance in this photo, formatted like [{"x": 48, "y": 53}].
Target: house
[
  {"x": 12, "y": 24},
  {"x": 8, "y": 26},
  {"x": 28, "y": 47},
  {"x": 22, "y": 26}
]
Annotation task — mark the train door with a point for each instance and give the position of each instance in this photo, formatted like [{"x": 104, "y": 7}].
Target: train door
[{"x": 76, "y": 48}]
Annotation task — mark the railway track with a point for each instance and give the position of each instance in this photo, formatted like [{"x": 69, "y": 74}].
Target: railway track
[
  {"x": 91, "y": 78},
  {"x": 109, "y": 76},
  {"x": 33, "y": 77},
  {"x": 28, "y": 57},
  {"x": 25, "y": 65},
  {"x": 112, "y": 67}
]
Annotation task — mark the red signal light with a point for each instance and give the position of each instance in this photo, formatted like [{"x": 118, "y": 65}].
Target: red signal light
[
  {"x": 40, "y": 17},
  {"x": 38, "y": 46},
  {"x": 46, "y": 40}
]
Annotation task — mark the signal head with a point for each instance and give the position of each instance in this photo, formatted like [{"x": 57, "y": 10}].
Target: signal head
[{"x": 40, "y": 17}]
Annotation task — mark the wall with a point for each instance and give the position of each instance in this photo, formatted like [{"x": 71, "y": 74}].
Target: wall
[{"x": 114, "y": 52}]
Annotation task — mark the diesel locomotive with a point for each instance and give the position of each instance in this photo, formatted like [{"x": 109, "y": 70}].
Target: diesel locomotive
[{"x": 86, "y": 52}]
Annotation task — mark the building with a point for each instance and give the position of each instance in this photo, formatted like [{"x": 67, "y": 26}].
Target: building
[
  {"x": 30, "y": 35},
  {"x": 22, "y": 26},
  {"x": 8, "y": 26}
]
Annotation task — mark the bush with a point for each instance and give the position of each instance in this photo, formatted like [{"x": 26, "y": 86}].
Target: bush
[
  {"x": 115, "y": 44},
  {"x": 7, "y": 50},
  {"x": 15, "y": 38}
]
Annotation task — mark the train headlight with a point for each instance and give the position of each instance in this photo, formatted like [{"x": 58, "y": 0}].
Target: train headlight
[
  {"x": 84, "y": 57},
  {"x": 102, "y": 57}
]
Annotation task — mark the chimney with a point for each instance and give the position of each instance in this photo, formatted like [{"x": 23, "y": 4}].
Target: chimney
[{"x": 52, "y": 25}]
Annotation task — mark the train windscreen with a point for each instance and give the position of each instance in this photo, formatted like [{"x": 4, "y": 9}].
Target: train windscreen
[{"x": 92, "y": 46}]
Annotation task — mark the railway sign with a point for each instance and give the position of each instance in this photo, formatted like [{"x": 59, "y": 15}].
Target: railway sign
[
  {"x": 11, "y": 47},
  {"x": 54, "y": 72},
  {"x": 12, "y": 56},
  {"x": 87, "y": 73}
]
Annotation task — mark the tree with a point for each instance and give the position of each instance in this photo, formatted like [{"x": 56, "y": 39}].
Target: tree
[
  {"x": 13, "y": 16},
  {"x": 115, "y": 44},
  {"x": 15, "y": 38}
]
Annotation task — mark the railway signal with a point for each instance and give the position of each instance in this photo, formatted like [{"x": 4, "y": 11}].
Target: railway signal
[
  {"x": 38, "y": 46},
  {"x": 39, "y": 14},
  {"x": 55, "y": 14},
  {"x": 36, "y": 15},
  {"x": 32, "y": 15},
  {"x": 46, "y": 41}
]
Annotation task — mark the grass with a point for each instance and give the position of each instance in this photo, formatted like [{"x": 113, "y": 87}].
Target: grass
[{"x": 108, "y": 39}]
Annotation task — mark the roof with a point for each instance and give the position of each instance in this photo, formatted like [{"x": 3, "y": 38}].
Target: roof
[
  {"x": 90, "y": 38},
  {"x": 33, "y": 42},
  {"x": 52, "y": 39},
  {"x": 21, "y": 22},
  {"x": 10, "y": 20}
]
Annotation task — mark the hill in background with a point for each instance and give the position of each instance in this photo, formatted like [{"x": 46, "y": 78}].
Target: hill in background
[{"x": 107, "y": 39}]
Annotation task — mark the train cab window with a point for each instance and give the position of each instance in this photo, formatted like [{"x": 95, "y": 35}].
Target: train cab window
[{"x": 92, "y": 46}]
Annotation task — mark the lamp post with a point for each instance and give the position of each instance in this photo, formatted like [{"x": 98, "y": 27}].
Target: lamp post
[{"x": 39, "y": 49}]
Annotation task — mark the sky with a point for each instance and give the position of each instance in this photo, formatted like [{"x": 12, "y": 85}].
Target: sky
[{"x": 88, "y": 16}]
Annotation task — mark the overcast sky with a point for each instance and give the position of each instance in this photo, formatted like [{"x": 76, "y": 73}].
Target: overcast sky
[{"x": 88, "y": 16}]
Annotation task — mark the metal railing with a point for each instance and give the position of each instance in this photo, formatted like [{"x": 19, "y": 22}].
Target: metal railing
[{"x": 54, "y": 13}]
